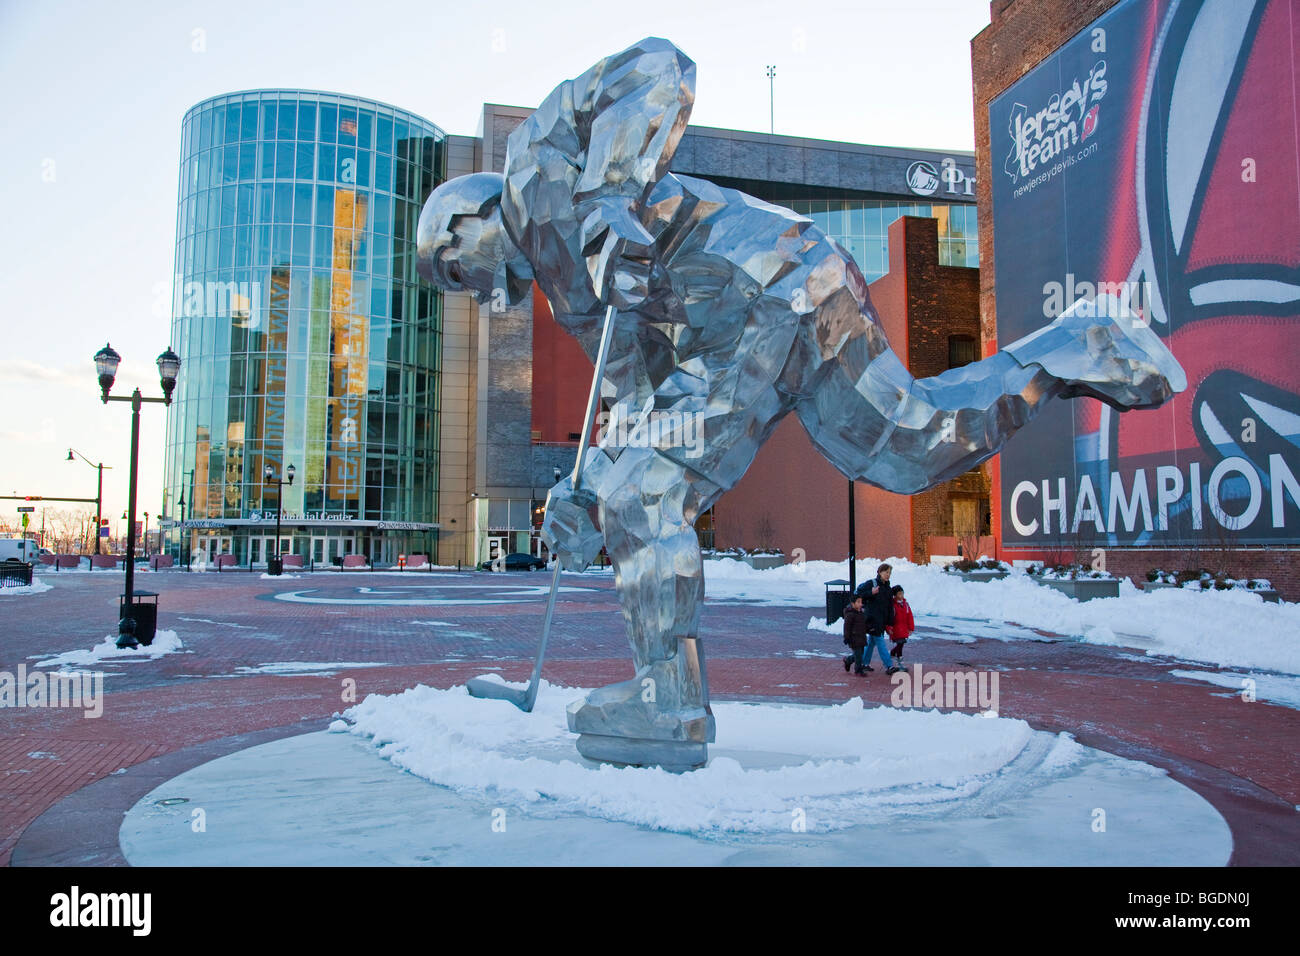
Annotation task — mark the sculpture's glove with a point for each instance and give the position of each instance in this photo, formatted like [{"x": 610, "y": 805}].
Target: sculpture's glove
[
  {"x": 570, "y": 529},
  {"x": 1101, "y": 349},
  {"x": 619, "y": 251}
]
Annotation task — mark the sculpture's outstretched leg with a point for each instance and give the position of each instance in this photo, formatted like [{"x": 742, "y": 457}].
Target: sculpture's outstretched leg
[
  {"x": 648, "y": 505},
  {"x": 876, "y": 423}
]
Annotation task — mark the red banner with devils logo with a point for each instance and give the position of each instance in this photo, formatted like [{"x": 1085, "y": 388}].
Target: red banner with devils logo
[{"x": 1154, "y": 158}]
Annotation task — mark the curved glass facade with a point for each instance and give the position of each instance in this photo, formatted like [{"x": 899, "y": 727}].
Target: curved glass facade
[{"x": 307, "y": 337}]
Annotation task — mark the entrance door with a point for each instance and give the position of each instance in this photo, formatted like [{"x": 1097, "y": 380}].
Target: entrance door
[
  {"x": 261, "y": 548},
  {"x": 496, "y": 547},
  {"x": 325, "y": 549},
  {"x": 217, "y": 544}
]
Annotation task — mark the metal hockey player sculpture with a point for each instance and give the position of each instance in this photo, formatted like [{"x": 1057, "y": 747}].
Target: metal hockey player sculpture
[{"x": 704, "y": 308}]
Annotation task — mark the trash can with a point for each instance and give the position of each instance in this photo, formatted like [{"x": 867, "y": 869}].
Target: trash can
[
  {"x": 275, "y": 565},
  {"x": 837, "y": 598},
  {"x": 145, "y": 615}
]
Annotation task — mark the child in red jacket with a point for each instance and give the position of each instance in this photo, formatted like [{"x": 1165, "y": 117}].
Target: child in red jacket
[{"x": 903, "y": 626}]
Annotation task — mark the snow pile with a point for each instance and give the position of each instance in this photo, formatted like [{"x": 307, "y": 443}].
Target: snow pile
[
  {"x": 36, "y": 587},
  {"x": 279, "y": 577},
  {"x": 1228, "y": 628},
  {"x": 107, "y": 652},
  {"x": 830, "y": 766}
]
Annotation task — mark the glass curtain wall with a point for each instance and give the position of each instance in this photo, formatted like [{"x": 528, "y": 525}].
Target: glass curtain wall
[
  {"x": 861, "y": 226},
  {"x": 307, "y": 337}
]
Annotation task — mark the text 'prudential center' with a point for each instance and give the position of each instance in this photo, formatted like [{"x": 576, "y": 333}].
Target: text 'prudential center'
[{"x": 306, "y": 335}]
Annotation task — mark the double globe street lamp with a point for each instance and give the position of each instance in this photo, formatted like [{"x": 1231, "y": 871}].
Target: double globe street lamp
[
  {"x": 169, "y": 367},
  {"x": 276, "y": 565}
]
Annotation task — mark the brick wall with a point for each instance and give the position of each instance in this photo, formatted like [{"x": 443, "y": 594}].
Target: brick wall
[
  {"x": 1280, "y": 566},
  {"x": 796, "y": 492},
  {"x": 941, "y": 301}
]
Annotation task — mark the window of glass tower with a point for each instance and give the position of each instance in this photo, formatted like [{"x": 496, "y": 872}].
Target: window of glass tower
[
  {"x": 307, "y": 335},
  {"x": 861, "y": 226}
]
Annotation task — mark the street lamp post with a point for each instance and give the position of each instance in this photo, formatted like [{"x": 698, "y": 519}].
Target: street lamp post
[
  {"x": 146, "y": 534},
  {"x": 184, "y": 551},
  {"x": 106, "y": 363},
  {"x": 289, "y": 472},
  {"x": 99, "y": 489},
  {"x": 853, "y": 543},
  {"x": 184, "y": 544}
]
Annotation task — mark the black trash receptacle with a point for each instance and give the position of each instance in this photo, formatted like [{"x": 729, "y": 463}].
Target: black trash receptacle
[
  {"x": 275, "y": 565},
  {"x": 837, "y": 598},
  {"x": 145, "y": 614}
]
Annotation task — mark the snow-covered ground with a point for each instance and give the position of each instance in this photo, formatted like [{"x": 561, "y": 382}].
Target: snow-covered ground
[
  {"x": 1226, "y": 628},
  {"x": 36, "y": 587},
  {"x": 836, "y": 764},
  {"x": 307, "y": 668},
  {"x": 784, "y": 784},
  {"x": 1040, "y": 809},
  {"x": 107, "y": 652},
  {"x": 1267, "y": 687}
]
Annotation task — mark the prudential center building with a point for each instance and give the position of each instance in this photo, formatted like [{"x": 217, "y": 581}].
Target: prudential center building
[{"x": 418, "y": 423}]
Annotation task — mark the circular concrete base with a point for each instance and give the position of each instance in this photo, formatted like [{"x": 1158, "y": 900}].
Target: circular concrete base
[{"x": 329, "y": 799}]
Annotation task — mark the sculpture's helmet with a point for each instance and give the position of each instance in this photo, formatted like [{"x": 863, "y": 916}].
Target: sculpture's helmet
[{"x": 458, "y": 238}]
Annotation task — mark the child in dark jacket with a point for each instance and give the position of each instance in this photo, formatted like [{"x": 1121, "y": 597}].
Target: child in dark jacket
[
  {"x": 855, "y": 634},
  {"x": 902, "y": 627}
]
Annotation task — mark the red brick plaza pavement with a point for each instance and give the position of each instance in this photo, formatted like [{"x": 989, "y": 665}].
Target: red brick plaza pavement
[{"x": 65, "y": 780}]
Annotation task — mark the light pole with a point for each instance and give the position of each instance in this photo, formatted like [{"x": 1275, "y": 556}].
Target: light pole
[
  {"x": 184, "y": 551},
  {"x": 289, "y": 472},
  {"x": 146, "y": 534},
  {"x": 99, "y": 489},
  {"x": 184, "y": 544},
  {"x": 771, "y": 98},
  {"x": 169, "y": 367},
  {"x": 853, "y": 543}
]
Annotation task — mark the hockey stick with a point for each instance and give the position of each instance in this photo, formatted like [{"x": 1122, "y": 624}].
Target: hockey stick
[{"x": 526, "y": 697}]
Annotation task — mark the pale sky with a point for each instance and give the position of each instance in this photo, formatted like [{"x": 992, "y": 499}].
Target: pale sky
[{"x": 96, "y": 91}]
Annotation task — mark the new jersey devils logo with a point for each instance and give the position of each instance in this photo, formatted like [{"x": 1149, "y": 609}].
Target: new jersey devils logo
[{"x": 1090, "y": 122}]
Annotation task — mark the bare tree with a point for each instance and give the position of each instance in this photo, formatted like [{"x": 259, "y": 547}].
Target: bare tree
[{"x": 68, "y": 529}]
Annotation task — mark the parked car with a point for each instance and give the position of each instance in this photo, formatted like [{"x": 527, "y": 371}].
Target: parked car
[
  {"x": 19, "y": 549},
  {"x": 515, "y": 562}
]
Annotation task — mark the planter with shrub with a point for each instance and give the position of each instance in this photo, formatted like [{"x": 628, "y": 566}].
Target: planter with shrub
[
  {"x": 1200, "y": 579},
  {"x": 978, "y": 570},
  {"x": 1075, "y": 581}
]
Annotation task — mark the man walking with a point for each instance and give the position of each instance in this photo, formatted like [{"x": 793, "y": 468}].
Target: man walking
[{"x": 878, "y": 604}]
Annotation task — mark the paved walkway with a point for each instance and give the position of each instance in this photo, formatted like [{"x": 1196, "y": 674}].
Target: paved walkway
[{"x": 65, "y": 780}]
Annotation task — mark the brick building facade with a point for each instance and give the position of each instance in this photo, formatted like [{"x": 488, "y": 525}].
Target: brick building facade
[
  {"x": 793, "y": 498},
  {"x": 518, "y": 384}
]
